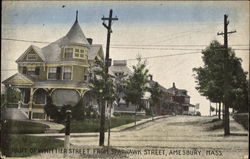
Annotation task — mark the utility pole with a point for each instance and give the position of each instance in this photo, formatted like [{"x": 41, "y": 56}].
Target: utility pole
[
  {"x": 107, "y": 64},
  {"x": 226, "y": 82}
]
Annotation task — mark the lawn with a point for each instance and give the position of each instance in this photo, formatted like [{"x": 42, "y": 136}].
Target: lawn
[
  {"x": 24, "y": 146},
  {"x": 242, "y": 119},
  {"x": 23, "y": 127},
  {"x": 92, "y": 125},
  {"x": 214, "y": 124}
]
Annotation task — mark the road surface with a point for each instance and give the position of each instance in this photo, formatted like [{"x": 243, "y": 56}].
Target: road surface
[{"x": 180, "y": 137}]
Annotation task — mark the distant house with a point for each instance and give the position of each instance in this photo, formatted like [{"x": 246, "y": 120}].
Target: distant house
[
  {"x": 120, "y": 72},
  {"x": 61, "y": 68},
  {"x": 166, "y": 105},
  {"x": 180, "y": 97},
  {"x": 173, "y": 101}
]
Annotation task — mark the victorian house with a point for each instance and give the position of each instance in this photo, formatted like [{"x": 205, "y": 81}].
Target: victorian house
[{"x": 61, "y": 68}]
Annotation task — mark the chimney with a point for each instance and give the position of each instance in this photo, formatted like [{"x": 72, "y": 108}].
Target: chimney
[
  {"x": 90, "y": 40},
  {"x": 173, "y": 85}
]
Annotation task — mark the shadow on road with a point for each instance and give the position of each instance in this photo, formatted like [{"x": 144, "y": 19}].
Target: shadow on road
[{"x": 238, "y": 134}]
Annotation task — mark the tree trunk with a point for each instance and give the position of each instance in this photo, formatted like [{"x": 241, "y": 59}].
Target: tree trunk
[
  {"x": 226, "y": 120},
  {"x": 102, "y": 124},
  {"x": 152, "y": 112},
  {"x": 216, "y": 112},
  {"x": 135, "y": 113},
  {"x": 219, "y": 110},
  {"x": 210, "y": 108}
]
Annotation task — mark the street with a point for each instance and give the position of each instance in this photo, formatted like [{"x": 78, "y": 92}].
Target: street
[{"x": 172, "y": 137}]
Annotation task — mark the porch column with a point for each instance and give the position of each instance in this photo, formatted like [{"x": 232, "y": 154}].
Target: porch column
[{"x": 30, "y": 103}]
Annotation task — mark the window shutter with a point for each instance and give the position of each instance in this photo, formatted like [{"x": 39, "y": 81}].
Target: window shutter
[
  {"x": 58, "y": 72},
  {"x": 37, "y": 71}
]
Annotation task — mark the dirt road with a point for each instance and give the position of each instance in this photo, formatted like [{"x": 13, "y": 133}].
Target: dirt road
[{"x": 181, "y": 137}]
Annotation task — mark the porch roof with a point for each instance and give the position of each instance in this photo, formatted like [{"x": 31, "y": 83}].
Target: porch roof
[
  {"x": 22, "y": 81},
  {"x": 18, "y": 79}
]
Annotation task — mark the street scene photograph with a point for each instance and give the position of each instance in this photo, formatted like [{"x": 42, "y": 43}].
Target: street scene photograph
[{"x": 125, "y": 79}]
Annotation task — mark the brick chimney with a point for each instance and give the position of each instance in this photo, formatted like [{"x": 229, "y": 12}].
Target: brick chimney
[
  {"x": 174, "y": 85},
  {"x": 90, "y": 40}
]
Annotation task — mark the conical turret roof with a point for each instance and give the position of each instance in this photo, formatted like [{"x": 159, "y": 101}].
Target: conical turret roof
[{"x": 76, "y": 35}]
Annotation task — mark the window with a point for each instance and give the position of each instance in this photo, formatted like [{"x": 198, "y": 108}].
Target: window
[
  {"x": 24, "y": 70},
  {"x": 52, "y": 73},
  {"x": 31, "y": 71},
  {"x": 68, "y": 53},
  {"x": 82, "y": 55},
  {"x": 67, "y": 72},
  {"x": 79, "y": 53},
  {"x": 76, "y": 55},
  {"x": 31, "y": 56}
]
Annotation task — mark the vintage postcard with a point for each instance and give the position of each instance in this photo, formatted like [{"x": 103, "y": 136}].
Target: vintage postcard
[{"x": 125, "y": 79}]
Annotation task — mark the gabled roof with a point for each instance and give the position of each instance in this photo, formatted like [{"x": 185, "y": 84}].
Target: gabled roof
[
  {"x": 95, "y": 50},
  {"x": 18, "y": 79},
  {"x": 36, "y": 49},
  {"x": 152, "y": 83},
  {"x": 177, "y": 91}
]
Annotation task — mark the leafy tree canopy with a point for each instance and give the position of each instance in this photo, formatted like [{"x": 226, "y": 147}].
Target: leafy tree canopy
[
  {"x": 136, "y": 85},
  {"x": 220, "y": 68}
]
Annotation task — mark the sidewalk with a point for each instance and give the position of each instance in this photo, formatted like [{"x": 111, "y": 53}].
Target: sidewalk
[
  {"x": 95, "y": 134},
  {"x": 140, "y": 122}
]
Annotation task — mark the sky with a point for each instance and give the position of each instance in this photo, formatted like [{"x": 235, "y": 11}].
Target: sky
[{"x": 149, "y": 29}]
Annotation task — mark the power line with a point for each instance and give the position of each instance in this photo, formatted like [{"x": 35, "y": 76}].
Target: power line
[
  {"x": 178, "y": 54},
  {"x": 148, "y": 48},
  {"x": 128, "y": 45},
  {"x": 171, "y": 45},
  {"x": 10, "y": 39},
  {"x": 145, "y": 48}
]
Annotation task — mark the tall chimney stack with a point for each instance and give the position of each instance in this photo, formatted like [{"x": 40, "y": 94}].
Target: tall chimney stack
[{"x": 90, "y": 40}]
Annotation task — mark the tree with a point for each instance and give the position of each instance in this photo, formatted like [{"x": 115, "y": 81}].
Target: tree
[
  {"x": 136, "y": 85},
  {"x": 13, "y": 95},
  {"x": 220, "y": 68},
  {"x": 210, "y": 77},
  {"x": 103, "y": 87},
  {"x": 155, "y": 96}
]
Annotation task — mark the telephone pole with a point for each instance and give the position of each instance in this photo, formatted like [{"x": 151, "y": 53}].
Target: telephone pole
[
  {"x": 107, "y": 64},
  {"x": 226, "y": 76}
]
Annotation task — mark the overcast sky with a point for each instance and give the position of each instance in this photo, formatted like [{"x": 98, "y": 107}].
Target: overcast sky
[{"x": 171, "y": 24}]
